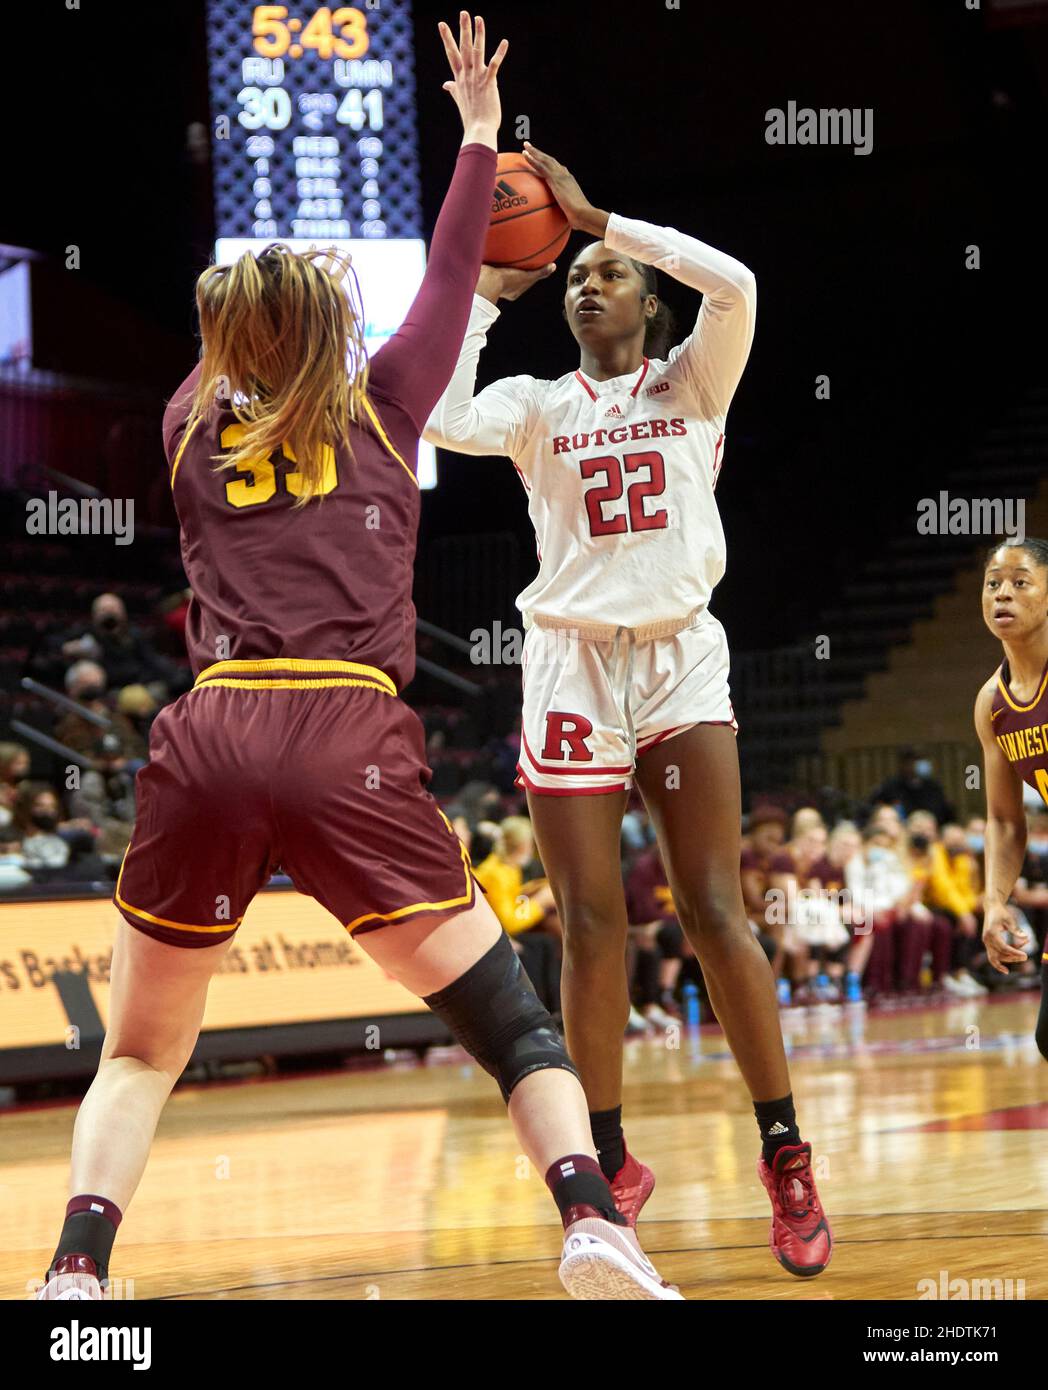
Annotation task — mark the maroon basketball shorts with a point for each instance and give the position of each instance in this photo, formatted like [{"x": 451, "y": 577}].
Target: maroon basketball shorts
[{"x": 315, "y": 767}]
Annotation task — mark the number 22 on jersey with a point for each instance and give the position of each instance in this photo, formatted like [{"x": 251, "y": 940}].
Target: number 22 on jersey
[{"x": 634, "y": 518}]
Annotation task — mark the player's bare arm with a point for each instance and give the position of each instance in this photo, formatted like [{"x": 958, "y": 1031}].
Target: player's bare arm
[{"x": 1005, "y": 841}]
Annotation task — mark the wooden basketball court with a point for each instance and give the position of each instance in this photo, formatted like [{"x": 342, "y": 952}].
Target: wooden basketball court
[{"x": 929, "y": 1128}]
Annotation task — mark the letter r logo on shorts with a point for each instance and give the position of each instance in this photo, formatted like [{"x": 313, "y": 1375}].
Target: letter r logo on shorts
[{"x": 570, "y": 729}]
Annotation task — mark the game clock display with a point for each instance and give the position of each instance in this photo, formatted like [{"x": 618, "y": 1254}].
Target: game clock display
[
  {"x": 315, "y": 143},
  {"x": 314, "y": 121}
]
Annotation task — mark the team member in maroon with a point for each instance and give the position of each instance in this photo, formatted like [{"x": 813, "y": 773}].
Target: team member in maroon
[
  {"x": 294, "y": 481},
  {"x": 1011, "y": 719}
]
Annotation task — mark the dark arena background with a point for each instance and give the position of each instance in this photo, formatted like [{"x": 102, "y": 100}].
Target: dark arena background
[{"x": 326, "y": 1140}]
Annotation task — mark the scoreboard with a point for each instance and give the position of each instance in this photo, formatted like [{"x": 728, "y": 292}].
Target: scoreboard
[{"x": 315, "y": 143}]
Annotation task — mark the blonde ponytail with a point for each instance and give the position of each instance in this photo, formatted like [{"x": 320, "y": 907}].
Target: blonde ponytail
[{"x": 283, "y": 337}]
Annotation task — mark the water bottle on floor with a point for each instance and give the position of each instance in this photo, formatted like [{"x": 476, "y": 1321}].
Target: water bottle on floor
[{"x": 690, "y": 999}]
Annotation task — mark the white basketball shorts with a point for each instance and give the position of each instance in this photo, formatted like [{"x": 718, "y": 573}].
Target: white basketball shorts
[{"x": 591, "y": 707}]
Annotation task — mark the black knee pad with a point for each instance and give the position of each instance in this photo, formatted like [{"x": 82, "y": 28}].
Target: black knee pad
[{"x": 494, "y": 1012}]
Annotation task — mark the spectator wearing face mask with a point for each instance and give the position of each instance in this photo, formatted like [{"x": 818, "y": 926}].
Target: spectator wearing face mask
[
  {"x": 106, "y": 794},
  {"x": 948, "y": 887},
  {"x": 51, "y": 846},
  {"x": 936, "y": 935},
  {"x": 913, "y": 788},
  {"x": 126, "y": 656},
  {"x": 120, "y": 748}
]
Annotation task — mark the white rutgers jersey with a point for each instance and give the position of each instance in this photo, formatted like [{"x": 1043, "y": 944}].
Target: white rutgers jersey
[{"x": 620, "y": 474}]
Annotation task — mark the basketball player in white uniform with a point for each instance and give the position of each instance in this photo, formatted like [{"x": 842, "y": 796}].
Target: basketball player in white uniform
[{"x": 625, "y": 670}]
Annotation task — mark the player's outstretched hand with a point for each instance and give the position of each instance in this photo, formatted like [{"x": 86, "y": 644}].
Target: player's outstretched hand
[
  {"x": 998, "y": 926},
  {"x": 497, "y": 282},
  {"x": 576, "y": 207},
  {"x": 474, "y": 85}
]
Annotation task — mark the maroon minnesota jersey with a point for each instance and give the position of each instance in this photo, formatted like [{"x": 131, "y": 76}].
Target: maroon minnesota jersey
[
  {"x": 1021, "y": 730},
  {"x": 331, "y": 580}
]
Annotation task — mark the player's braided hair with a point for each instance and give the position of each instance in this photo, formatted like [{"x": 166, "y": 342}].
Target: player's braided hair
[
  {"x": 1036, "y": 549},
  {"x": 661, "y": 331}
]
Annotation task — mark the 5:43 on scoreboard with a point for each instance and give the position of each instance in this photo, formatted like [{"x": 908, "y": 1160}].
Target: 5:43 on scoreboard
[{"x": 340, "y": 36}]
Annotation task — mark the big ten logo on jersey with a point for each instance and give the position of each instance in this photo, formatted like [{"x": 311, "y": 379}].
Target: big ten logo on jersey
[{"x": 566, "y": 736}]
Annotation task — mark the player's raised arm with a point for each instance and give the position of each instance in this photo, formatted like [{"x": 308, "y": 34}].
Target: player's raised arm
[
  {"x": 497, "y": 420},
  {"x": 414, "y": 367},
  {"x": 714, "y": 356},
  {"x": 1005, "y": 840}
]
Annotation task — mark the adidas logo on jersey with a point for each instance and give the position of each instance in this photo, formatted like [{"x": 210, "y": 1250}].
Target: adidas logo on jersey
[
  {"x": 506, "y": 196},
  {"x": 658, "y": 388},
  {"x": 613, "y": 411}
]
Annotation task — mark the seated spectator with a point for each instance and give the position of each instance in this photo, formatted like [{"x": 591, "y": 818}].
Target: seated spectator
[
  {"x": 45, "y": 844},
  {"x": 760, "y": 845},
  {"x": 106, "y": 792},
  {"x": 934, "y": 932},
  {"x": 120, "y": 748},
  {"x": 913, "y": 788},
  {"x": 831, "y": 873},
  {"x": 789, "y": 875},
  {"x": 138, "y": 704},
  {"x": 38, "y": 814},
  {"x": 14, "y": 768},
  {"x": 900, "y": 928},
  {"x": 946, "y": 879},
  {"x": 126, "y": 656},
  {"x": 975, "y": 834},
  {"x": 527, "y": 911},
  {"x": 657, "y": 938}
]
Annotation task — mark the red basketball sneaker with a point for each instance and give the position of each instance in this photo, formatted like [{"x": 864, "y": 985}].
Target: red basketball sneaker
[
  {"x": 631, "y": 1187},
  {"x": 73, "y": 1277},
  {"x": 801, "y": 1239}
]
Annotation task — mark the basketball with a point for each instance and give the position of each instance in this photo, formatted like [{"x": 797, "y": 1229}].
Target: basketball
[{"x": 528, "y": 229}]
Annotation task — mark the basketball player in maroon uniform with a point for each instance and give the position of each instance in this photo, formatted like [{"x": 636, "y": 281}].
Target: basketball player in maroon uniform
[
  {"x": 1011, "y": 718},
  {"x": 294, "y": 481}
]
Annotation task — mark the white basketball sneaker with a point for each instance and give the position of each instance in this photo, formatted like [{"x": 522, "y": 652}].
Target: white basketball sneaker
[{"x": 604, "y": 1261}]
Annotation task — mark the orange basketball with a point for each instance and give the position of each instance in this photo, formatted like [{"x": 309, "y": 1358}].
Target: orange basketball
[{"x": 528, "y": 229}]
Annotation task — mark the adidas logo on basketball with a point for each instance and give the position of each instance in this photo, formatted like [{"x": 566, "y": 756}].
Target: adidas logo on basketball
[{"x": 506, "y": 196}]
